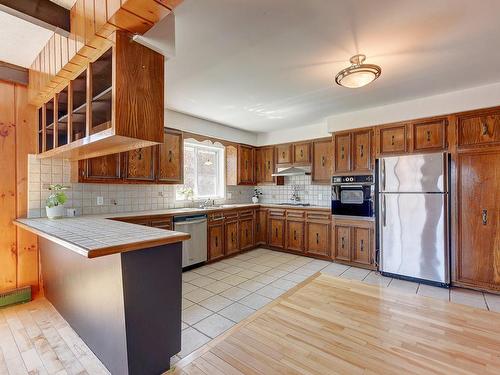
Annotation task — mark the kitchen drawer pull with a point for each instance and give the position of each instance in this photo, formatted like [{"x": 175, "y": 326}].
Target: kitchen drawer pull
[
  {"x": 343, "y": 242},
  {"x": 276, "y": 233},
  {"x": 361, "y": 150},
  {"x": 362, "y": 245},
  {"x": 283, "y": 154},
  {"x": 170, "y": 156},
  {"x": 322, "y": 161},
  {"x": 485, "y": 128},
  {"x": 295, "y": 235},
  {"x": 392, "y": 140},
  {"x": 216, "y": 242},
  {"x": 428, "y": 135},
  {"x": 317, "y": 238},
  {"x": 484, "y": 215}
]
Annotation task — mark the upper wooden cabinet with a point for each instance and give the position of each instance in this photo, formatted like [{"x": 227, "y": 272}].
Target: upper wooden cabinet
[
  {"x": 114, "y": 105},
  {"x": 302, "y": 153},
  {"x": 171, "y": 158},
  {"x": 392, "y": 139},
  {"x": 353, "y": 151},
  {"x": 103, "y": 169},
  {"x": 140, "y": 164},
  {"x": 264, "y": 164},
  {"x": 480, "y": 127},
  {"x": 429, "y": 135},
  {"x": 322, "y": 151},
  {"x": 284, "y": 154},
  {"x": 240, "y": 165}
]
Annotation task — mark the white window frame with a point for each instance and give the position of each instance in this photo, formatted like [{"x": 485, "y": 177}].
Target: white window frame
[{"x": 221, "y": 181}]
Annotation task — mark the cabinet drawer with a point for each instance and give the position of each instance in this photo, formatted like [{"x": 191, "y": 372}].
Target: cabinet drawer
[
  {"x": 230, "y": 215},
  {"x": 215, "y": 217},
  {"x": 292, "y": 214},
  {"x": 392, "y": 139},
  {"x": 482, "y": 128},
  {"x": 165, "y": 223},
  {"x": 246, "y": 213},
  {"x": 276, "y": 213},
  {"x": 321, "y": 216},
  {"x": 429, "y": 135}
]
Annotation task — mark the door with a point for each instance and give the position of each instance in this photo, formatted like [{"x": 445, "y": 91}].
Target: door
[
  {"x": 302, "y": 153},
  {"x": 361, "y": 153},
  {"x": 231, "y": 237},
  {"x": 322, "y": 161},
  {"x": 215, "y": 241},
  {"x": 392, "y": 139},
  {"x": 318, "y": 239},
  {"x": 139, "y": 164},
  {"x": 362, "y": 246},
  {"x": 246, "y": 164},
  {"x": 479, "y": 128},
  {"x": 342, "y": 160},
  {"x": 261, "y": 227},
  {"x": 246, "y": 233},
  {"x": 342, "y": 247},
  {"x": 295, "y": 235},
  {"x": 102, "y": 168},
  {"x": 429, "y": 135},
  {"x": 413, "y": 238},
  {"x": 170, "y": 158},
  {"x": 284, "y": 154},
  {"x": 413, "y": 173},
  {"x": 478, "y": 258},
  {"x": 277, "y": 232}
]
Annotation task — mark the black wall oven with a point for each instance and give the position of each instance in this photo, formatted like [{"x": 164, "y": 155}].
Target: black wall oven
[{"x": 353, "y": 195}]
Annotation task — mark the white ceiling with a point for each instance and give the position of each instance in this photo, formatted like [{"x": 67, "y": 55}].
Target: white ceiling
[{"x": 265, "y": 65}]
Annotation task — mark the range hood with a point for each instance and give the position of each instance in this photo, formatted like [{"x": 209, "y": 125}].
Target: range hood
[{"x": 291, "y": 171}]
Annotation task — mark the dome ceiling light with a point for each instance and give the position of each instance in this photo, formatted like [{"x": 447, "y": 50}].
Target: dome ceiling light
[{"x": 358, "y": 74}]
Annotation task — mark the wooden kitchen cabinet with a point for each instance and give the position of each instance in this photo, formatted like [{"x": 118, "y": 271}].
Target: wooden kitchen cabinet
[
  {"x": 392, "y": 139},
  {"x": 284, "y": 154},
  {"x": 246, "y": 235},
  {"x": 215, "y": 241},
  {"x": 342, "y": 159},
  {"x": 261, "y": 227},
  {"x": 318, "y": 238},
  {"x": 477, "y": 128},
  {"x": 140, "y": 164},
  {"x": 295, "y": 235},
  {"x": 429, "y": 135},
  {"x": 171, "y": 158},
  {"x": 322, "y": 161},
  {"x": 302, "y": 153},
  {"x": 264, "y": 164},
  {"x": 240, "y": 165},
  {"x": 477, "y": 261},
  {"x": 101, "y": 169},
  {"x": 353, "y": 151},
  {"x": 276, "y": 228},
  {"x": 354, "y": 242},
  {"x": 162, "y": 223},
  {"x": 231, "y": 237}
]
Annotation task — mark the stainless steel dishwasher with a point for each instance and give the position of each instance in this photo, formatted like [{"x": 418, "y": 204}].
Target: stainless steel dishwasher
[{"x": 194, "y": 250}]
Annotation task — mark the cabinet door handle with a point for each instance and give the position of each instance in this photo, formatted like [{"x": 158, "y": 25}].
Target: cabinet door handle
[
  {"x": 392, "y": 140},
  {"x": 246, "y": 164},
  {"x": 317, "y": 238},
  {"x": 485, "y": 128},
  {"x": 246, "y": 233},
  {"x": 170, "y": 156},
  {"x": 484, "y": 215},
  {"x": 301, "y": 153},
  {"x": 283, "y": 154},
  {"x": 268, "y": 165},
  {"x": 232, "y": 237},
  {"x": 216, "y": 242},
  {"x": 139, "y": 156},
  {"x": 428, "y": 135},
  {"x": 342, "y": 152},
  {"x": 322, "y": 161},
  {"x": 276, "y": 233},
  {"x": 258, "y": 227},
  {"x": 362, "y": 247},
  {"x": 343, "y": 242},
  {"x": 361, "y": 150},
  {"x": 295, "y": 235}
]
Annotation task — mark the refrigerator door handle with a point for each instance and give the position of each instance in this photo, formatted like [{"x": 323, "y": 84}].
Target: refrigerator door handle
[
  {"x": 383, "y": 175},
  {"x": 384, "y": 223}
]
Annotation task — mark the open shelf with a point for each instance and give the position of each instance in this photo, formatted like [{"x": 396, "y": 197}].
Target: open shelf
[
  {"x": 62, "y": 115},
  {"x": 101, "y": 92},
  {"x": 49, "y": 129}
]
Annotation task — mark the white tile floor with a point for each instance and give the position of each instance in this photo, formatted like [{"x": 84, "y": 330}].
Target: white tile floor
[{"x": 219, "y": 295}]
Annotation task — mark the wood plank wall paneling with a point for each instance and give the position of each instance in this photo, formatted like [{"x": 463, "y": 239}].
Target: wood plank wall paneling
[
  {"x": 18, "y": 248},
  {"x": 92, "y": 23}
]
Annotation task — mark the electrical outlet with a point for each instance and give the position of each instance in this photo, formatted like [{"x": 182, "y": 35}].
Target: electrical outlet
[{"x": 100, "y": 201}]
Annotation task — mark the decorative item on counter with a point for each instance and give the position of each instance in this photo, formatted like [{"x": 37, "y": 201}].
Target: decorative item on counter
[
  {"x": 54, "y": 205},
  {"x": 256, "y": 193},
  {"x": 187, "y": 192}
]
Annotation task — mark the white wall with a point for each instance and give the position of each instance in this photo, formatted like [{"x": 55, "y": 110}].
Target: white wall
[
  {"x": 197, "y": 125},
  {"x": 293, "y": 134},
  {"x": 456, "y": 101}
]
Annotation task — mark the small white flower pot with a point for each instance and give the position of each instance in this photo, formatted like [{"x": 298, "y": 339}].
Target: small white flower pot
[
  {"x": 55, "y": 212},
  {"x": 255, "y": 199}
]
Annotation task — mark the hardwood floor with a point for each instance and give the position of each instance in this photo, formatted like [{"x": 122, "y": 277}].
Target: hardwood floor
[{"x": 329, "y": 325}]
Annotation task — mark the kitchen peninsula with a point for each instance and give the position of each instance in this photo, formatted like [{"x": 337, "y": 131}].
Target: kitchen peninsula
[{"x": 103, "y": 276}]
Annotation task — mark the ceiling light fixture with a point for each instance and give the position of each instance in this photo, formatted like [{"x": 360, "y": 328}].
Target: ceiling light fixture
[{"x": 358, "y": 74}]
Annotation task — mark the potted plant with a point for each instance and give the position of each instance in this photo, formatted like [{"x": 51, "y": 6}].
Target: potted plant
[
  {"x": 54, "y": 205},
  {"x": 187, "y": 192},
  {"x": 256, "y": 194}
]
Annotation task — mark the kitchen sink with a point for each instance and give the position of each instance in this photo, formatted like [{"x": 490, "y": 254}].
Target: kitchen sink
[{"x": 295, "y": 204}]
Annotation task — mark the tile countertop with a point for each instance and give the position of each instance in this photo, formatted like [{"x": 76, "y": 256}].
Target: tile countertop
[{"x": 96, "y": 235}]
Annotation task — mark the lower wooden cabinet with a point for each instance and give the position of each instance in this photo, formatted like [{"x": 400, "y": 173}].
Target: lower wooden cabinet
[
  {"x": 162, "y": 223},
  {"x": 295, "y": 235},
  {"x": 354, "y": 243},
  {"x": 261, "y": 227},
  {"x": 246, "y": 238},
  {"x": 216, "y": 241},
  {"x": 318, "y": 239},
  {"x": 231, "y": 237},
  {"x": 276, "y": 229}
]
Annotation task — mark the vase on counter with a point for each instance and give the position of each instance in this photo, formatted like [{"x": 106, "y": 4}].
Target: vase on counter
[
  {"x": 55, "y": 212},
  {"x": 255, "y": 200}
]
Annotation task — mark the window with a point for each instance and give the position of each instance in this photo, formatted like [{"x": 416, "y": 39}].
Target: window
[{"x": 203, "y": 171}]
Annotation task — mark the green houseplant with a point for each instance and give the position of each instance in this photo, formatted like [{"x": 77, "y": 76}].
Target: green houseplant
[{"x": 54, "y": 205}]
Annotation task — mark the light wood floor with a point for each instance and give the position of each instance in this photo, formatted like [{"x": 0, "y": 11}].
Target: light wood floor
[{"x": 329, "y": 325}]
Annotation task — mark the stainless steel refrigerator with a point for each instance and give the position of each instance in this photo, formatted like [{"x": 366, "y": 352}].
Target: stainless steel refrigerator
[{"x": 413, "y": 217}]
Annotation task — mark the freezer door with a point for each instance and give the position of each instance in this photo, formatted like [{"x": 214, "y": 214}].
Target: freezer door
[
  {"x": 413, "y": 239},
  {"x": 413, "y": 173}
]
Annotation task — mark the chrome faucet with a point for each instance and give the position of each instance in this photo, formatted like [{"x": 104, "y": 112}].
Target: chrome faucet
[{"x": 207, "y": 203}]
